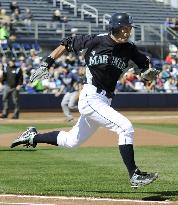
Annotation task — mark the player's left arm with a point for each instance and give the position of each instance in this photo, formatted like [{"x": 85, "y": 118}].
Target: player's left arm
[
  {"x": 146, "y": 72},
  {"x": 70, "y": 44},
  {"x": 42, "y": 72}
]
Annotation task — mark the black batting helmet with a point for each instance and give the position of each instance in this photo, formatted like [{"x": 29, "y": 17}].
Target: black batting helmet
[{"x": 118, "y": 20}]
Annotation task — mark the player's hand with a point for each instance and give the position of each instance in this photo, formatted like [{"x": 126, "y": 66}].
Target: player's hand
[
  {"x": 40, "y": 73},
  {"x": 150, "y": 74}
]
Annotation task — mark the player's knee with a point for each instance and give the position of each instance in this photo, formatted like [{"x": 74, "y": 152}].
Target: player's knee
[
  {"x": 126, "y": 127},
  {"x": 129, "y": 128}
]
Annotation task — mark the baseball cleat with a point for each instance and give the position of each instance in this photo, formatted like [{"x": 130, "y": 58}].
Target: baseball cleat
[
  {"x": 26, "y": 138},
  {"x": 140, "y": 179}
]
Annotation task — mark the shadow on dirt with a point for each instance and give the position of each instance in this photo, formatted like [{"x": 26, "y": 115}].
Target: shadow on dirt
[{"x": 154, "y": 196}]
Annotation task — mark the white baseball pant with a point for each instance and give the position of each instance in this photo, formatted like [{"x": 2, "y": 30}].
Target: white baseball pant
[{"x": 96, "y": 112}]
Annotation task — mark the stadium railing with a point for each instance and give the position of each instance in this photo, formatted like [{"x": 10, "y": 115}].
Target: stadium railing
[
  {"x": 106, "y": 20},
  {"x": 150, "y": 33},
  {"x": 71, "y": 4},
  {"x": 86, "y": 9}
]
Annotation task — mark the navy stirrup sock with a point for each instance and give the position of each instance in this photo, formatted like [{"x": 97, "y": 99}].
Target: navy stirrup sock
[
  {"x": 127, "y": 153},
  {"x": 49, "y": 138}
]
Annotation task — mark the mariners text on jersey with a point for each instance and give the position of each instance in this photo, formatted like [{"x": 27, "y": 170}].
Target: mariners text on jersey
[{"x": 106, "y": 59}]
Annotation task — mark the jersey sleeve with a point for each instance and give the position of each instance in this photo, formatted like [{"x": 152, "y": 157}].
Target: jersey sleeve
[
  {"x": 139, "y": 59},
  {"x": 78, "y": 43}
]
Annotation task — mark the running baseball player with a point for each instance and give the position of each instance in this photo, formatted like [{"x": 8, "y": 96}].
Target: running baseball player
[{"x": 106, "y": 58}]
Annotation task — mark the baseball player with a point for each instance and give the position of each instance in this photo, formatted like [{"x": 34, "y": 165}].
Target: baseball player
[
  {"x": 106, "y": 57},
  {"x": 69, "y": 101}
]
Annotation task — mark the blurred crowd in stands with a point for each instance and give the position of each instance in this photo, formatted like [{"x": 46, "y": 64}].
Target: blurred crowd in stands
[
  {"x": 15, "y": 18},
  {"x": 9, "y": 19},
  {"x": 28, "y": 58},
  {"x": 28, "y": 63},
  {"x": 167, "y": 81},
  {"x": 172, "y": 23}
]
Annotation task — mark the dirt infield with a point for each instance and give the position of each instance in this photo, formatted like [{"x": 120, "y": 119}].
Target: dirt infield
[
  {"x": 51, "y": 200},
  {"x": 102, "y": 137}
]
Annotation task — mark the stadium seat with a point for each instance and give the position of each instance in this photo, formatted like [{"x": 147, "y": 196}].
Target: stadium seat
[
  {"x": 16, "y": 49},
  {"x": 5, "y": 50},
  {"x": 26, "y": 48},
  {"x": 36, "y": 47}
]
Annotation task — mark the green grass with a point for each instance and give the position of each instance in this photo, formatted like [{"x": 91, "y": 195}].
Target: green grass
[
  {"x": 165, "y": 128},
  {"x": 91, "y": 172},
  {"x": 10, "y": 128}
]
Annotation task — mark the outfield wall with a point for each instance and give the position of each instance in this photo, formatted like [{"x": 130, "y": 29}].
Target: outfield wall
[{"x": 122, "y": 100}]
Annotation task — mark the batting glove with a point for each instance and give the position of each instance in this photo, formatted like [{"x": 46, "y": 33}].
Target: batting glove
[{"x": 40, "y": 73}]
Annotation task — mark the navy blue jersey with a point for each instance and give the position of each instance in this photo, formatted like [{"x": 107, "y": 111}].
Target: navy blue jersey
[
  {"x": 106, "y": 59},
  {"x": 68, "y": 81},
  {"x": 12, "y": 76}
]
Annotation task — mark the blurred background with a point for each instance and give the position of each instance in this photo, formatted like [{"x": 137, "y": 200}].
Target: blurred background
[{"x": 30, "y": 30}]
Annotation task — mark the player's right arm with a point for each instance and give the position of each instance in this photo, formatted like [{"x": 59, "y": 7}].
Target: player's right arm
[
  {"x": 70, "y": 44},
  {"x": 147, "y": 73}
]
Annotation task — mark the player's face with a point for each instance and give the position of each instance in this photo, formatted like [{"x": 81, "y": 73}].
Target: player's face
[{"x": 123, "y": 33}]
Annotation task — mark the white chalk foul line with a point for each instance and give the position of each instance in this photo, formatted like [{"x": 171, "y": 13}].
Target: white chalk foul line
[{"x": 83, "y": 198}]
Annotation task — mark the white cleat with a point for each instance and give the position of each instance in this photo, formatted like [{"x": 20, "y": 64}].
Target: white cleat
[{"x": 26, "y": 138}]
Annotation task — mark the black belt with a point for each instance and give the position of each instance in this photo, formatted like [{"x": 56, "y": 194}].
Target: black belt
[{"x": 107, "y": 94}]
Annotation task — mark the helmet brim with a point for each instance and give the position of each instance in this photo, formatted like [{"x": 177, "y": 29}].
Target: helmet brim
[{"x": 117, "y": 26}]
